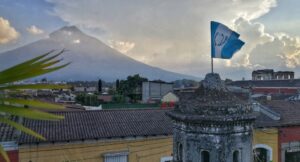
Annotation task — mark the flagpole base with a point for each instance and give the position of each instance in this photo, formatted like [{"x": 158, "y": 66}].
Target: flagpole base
[
  {"x": 212, "y": 65},
  {"x": 213, "y": 81}
]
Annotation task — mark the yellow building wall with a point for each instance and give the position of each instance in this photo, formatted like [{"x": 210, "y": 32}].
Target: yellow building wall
[
  {"x": 267, "y": 137},
  {"x": 140, "y": 150}
]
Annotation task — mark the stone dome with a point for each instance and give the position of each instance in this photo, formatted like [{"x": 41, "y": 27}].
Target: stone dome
[{"x": 212, "y": 100}]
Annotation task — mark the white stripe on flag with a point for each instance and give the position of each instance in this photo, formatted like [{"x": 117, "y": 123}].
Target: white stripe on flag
[{"x": 221, "y": 37}]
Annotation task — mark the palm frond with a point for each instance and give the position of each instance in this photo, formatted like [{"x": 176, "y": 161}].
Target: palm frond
[
  {"x": 35, "y": 86},
  {"x": 29, "y": 113},
  {"x": 49, "y": 58},
  {"x": 21, "y": 128},
  {"x": 24, "y": 64},
  {"x": 4, "y": 154},
  {"x": 34, "y": 67},
  {"x": 32, "y": 103},
  {"x": 29, "y": 73},
  {"x": 15, "y": 106}
]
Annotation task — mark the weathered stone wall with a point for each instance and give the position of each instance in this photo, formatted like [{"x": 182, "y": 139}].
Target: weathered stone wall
[
  {"x": 220, "y": 140},
  {"x": 212, "y": 119}
]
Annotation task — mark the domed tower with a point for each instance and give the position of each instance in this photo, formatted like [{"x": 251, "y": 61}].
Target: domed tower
[{"x": 212, "y": 125}]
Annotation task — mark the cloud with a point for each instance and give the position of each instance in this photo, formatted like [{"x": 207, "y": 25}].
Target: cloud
[
  {"x": 121, "y": 46},
  {"x": 172, "y": 34},
  {"x": 34, "y": 30},
  {"x": 265, "y": 50},
  {"x": 76, "y": 41},
  {"x": 281, "y": 53},
  {"x": 7, "y": 32},
  {"x": 291, "y": 50},
  {"x": 253, "y": 33},
  {"x": 255, "y": 10}
]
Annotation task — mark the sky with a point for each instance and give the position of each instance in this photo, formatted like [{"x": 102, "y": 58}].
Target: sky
[{"x": 170, "y": 34}]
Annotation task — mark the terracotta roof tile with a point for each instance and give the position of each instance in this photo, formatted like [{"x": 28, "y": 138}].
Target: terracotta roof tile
[
  {"x": 84, "y": 125},
  {"x": 79, "y": 125},
  {"x": 8, "y": 133},
  {"x": 289, "y": 114}
]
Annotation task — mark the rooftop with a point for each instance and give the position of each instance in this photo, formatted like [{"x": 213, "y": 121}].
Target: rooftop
[
  {"x": 262, "y": 71},
  {"x": 289, "y": 114},
  {"x": 103, "y": 124},
  {"x": 266, "y": 83},
  {"x": 109, "y": 124},
  {"x": 211, "y": 100},
  {"x": 8, "y": 133}
]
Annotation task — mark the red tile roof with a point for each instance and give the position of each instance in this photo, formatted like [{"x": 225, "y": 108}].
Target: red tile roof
[{"x": 289, "y": 114}]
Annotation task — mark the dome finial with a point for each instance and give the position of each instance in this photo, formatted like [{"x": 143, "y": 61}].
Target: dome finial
[{"x": 213, "y": 81}]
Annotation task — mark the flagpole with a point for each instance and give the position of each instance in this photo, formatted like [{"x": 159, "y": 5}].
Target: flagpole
[{"x": 212, "y": 65}]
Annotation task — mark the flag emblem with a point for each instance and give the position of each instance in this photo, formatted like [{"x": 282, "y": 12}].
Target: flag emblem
[{"x": 224, "y": 41}]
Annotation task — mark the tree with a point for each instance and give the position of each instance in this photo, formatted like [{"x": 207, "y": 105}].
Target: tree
[
  {"x": 27, "y": 108},
  {"x": 80, "y": 98},
  {"x": 132, "y": 87},
  {"x": 44, "y": 80},
  {"x": 117, "y": 84},
  {"x": 118, "y": 98},
  {"x": 100, "y": 86},
  {"x": 87, "y": 99}
]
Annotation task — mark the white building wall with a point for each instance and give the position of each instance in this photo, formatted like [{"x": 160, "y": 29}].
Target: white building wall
[
  {"x": 145, "y": 92},
  {"x": 155, "y": 91}
]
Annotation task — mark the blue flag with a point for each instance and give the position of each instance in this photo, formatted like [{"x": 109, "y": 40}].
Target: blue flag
[{"x": 224, "y": 41}]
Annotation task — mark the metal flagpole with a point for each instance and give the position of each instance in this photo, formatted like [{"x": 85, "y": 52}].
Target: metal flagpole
[{"x": 212, "y": 65}]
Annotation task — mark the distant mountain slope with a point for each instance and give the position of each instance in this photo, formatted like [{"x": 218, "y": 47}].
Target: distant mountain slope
[{"x": 91, "y": 59}]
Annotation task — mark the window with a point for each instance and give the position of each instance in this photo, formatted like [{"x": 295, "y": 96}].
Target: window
[
  {"x": 236, "y": 156},
  {"x": 166, "y": 159},
  {"x": 291, "y": 156},
  {"x": 179, "y": 151},
  {"x": 262, "y": 153},
  {"x": 204, "y": 156},
  {"x": 116, "y": 157}
]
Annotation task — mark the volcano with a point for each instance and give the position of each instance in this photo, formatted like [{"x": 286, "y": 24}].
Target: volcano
[{"x": 91, "y": 59}]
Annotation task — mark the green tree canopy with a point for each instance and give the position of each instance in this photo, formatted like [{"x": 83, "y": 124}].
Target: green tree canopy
[{"x": 132, "y": 87}]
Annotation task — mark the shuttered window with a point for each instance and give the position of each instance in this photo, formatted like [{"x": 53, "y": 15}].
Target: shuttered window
[{"x": 116, "y": 157}]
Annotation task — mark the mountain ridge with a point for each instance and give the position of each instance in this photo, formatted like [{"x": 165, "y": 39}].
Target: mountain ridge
[{"x": 91, "y": 59}]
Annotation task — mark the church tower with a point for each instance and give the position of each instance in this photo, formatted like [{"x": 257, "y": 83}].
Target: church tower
[{"x": 212, "y": 125}]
